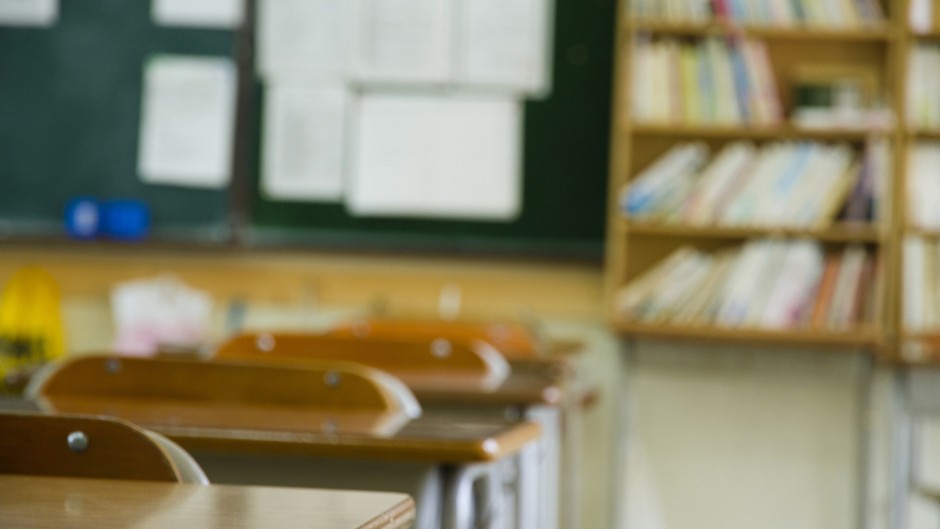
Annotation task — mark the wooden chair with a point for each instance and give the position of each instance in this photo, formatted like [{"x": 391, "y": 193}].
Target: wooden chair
[
  {"x": 438, "y": 362},
  {"x": 90, "y": 447},
  {"x": 314, "y": 397}
]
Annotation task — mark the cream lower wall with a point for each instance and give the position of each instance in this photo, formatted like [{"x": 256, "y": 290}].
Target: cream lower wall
[{"x": 737, "y": 439}]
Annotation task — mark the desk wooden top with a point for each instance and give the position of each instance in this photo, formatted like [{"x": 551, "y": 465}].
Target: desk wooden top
[
  {"x": 435, "y": 438},
  {"x": 31, "y": 501}
]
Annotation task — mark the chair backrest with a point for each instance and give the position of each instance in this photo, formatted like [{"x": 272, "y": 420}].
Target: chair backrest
[
  {"x": 468, "y": 364},
  {"x": 170, "y": 393},
  {"x": 83, "y": 446},
  {"x": 512, "y": 340}
]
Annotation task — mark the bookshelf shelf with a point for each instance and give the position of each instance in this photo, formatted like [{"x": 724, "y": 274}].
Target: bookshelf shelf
[
  {"x": 756, "y": 132},
  {"x": 925, "y": 134},
  {"x": 846, "y": 233},
  {"x": 860, "y": 337},
  {"x": 928, "y": 233},
  {"x": 692, "y": 29}
]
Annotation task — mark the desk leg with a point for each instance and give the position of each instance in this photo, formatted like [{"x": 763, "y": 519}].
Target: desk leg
[
  {"x": 902, "y": 426},
  {"x": 540, "y": 472},
  {"x": 474, "y": 498}
]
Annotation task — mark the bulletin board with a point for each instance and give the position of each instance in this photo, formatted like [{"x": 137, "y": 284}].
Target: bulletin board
[
  {"x": 70, "y": 100},
  {"x": 565, "y": 154},
  {"x": 70, "y": 97}
]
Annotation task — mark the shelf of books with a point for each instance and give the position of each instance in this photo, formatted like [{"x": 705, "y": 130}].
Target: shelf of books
[
  {"x": 753, "y": 196},
  {"x": 920, "y": 216}
]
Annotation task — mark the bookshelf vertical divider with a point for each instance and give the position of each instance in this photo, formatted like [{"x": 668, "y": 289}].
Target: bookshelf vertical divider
[{"x": 630, "y": 252}]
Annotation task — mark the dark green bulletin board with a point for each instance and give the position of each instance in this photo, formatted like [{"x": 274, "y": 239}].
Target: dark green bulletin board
[
  {"x": 565, "y": 168},
  {"x": 69, "y": 119},
  {"x": 70, "y": 100}
]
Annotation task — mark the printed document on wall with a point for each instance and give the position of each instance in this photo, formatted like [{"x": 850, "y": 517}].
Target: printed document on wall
[
  {"x": 446, "y": 156},
  {"x": 225, "y": 14},
  {"x": 304, "y": 132},
  {"x": 310, "y": 37},
  {"x": 28, "y": 12},
  {"x": 506, "y": 44},
  {"x": 404, "y": 41},
  {"x": 188, "y": 121}
]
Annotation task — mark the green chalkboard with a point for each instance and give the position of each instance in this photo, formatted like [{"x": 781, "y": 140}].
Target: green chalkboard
[
  {"x": 70, "y": 99},
  {"x": 564, "y": 178},
  {"x": 69, "y": 116}
]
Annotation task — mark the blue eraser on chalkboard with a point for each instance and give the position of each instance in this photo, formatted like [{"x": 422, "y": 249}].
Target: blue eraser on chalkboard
[
  {"x": 127, "y": 220},
  {"x": 82, "y": 218}
]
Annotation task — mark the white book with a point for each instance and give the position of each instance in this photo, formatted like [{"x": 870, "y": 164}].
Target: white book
[
  {"x": 769, "y": 272},
  {"x": 642, "y": 88},
  {"x": 796, "y": 285},
  {"x": 638, "y": 291},
  {"x": 741, "y": 209},
  {"x": 743, "y": 281},
  {"x": 913, "y": 284},
  {"x": 879, "y": 150},
  {"x": 696, "y": 308},
  {"x": 920, "y": 16},
  {"x": 718, "y": 181},
  {"x": 663, "y": 176},
  {"x": 847, "y": 286},
  {"x": 677, "y": 287},
  {"x": 830, "y": 173}
]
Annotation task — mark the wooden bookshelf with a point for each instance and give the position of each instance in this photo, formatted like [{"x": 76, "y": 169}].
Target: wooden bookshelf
[{"x": 634, "y": 246}]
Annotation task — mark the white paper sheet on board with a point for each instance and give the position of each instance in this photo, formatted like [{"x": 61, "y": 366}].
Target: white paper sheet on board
[
  {"x": 198, "y": 13},
  {"x": 505, "y": 44},
  {"x": 188, "y": 121},
  {"x": 308, "y": 37},
  {"x": 437, "y": 156},
  {"x": 304, "y": 134},
  {"x": 28, "y": 12},
  {"x": 404, "y": 41}
]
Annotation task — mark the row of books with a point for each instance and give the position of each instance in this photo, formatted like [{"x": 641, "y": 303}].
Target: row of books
[
  {"x": 710, "y": 81},
  {"x": 767, "y": 283},
  {"x": 824, "y": 13},
  {"x": 921, "y": 284},
  {"x": 778, "y": 184},
  {"x": 923, "y": 185},
  {"x": 923, "y": 86}
]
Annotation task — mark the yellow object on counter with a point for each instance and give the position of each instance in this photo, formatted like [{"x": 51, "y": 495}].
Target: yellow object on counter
[{"x": 31, "y": 329}]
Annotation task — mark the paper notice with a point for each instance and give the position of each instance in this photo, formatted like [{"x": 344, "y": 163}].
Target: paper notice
[
  {"x": 28, "y": 12},
  {"x": 505, "y": 44},
  {"x": 304, "y": 133},
  {"x": 307, "y": 37},
  {"x": 225, "y": 14},
  {"x": 437, "y": 156},
  {"x": 188, "y": 121},
  {"x": 404, "y": 41}
]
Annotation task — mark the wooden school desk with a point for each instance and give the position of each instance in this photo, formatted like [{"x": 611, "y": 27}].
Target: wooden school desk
[
  {"x": 452, "y": 370},
  {"x": 261, "y": 440},
  {"x": 76, "y": 503}
]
